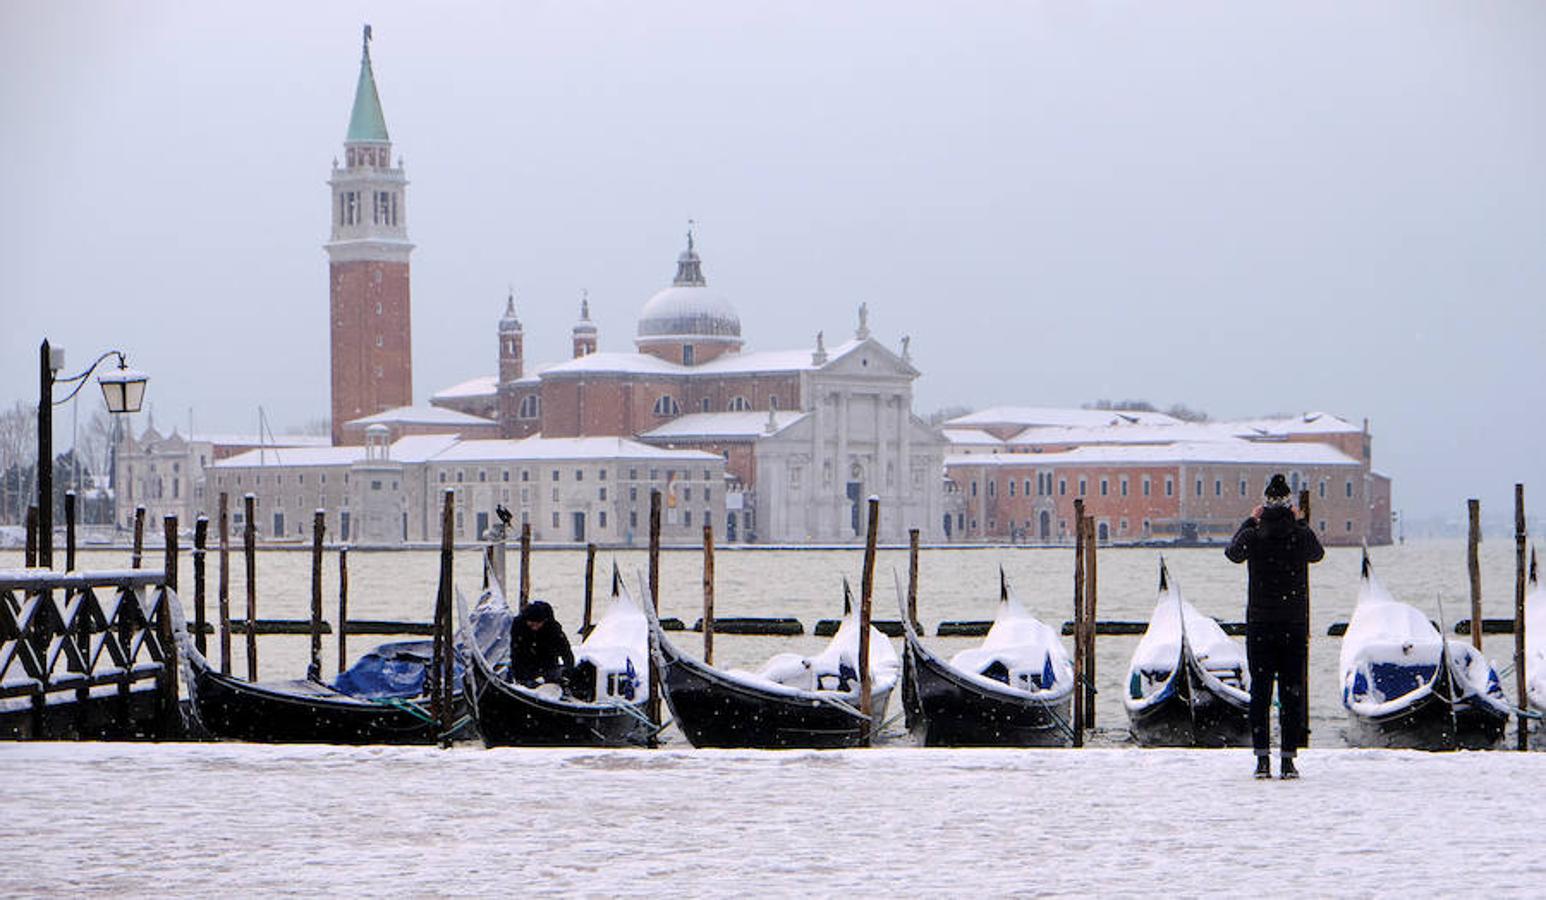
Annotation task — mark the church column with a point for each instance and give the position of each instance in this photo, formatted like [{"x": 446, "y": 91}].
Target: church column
[
  {"x": 904, "y": 467},
  {"x": 813, "y": 487},
  {"x": 840, "y": 469},
  {"x": 882, "y": 488}
]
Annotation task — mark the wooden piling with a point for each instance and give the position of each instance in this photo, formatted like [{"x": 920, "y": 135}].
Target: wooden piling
[
  {"x": 169, "y": 534},
  {"x": 250, "y": 558},
  {"x": 590, "y": 588},
  {"x": 912, "y": 576},
  {"x": 69, "y": 531},
  {"x": 1474, "y": 568},
  {"x": 708, "y": 593},
  {"x": 1091, "y": 592},
  {"x": 1079, "y": 623},
  {"x": 343, "y": 608},
  {"x": 653, "y": 706},
  {"x": 525, "y": 594},
  {"x": 318, "y": 528},
  {"x": 137, "y": 554},
  {"x": 866, "y": 597},
  {"x": 223, "y": 588},
  {"x": 200, "y": 608},
  {"x": 1521, "y": 682},
  {"x": 31, "y": 556},
  {"x": 440, "y": 685}
]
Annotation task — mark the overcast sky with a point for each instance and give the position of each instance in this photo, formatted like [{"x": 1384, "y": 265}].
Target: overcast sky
[{"x": 1247, "y": 209}]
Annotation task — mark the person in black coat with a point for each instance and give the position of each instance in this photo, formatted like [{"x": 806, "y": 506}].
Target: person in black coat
[
  {"x": 539, "y": 649},
  {"x": 1278, "y": 546}
]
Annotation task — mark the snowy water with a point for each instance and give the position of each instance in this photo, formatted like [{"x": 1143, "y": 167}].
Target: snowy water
[
  {"x": 954, "y": 584},
  {"x": 233, "y": 820}
]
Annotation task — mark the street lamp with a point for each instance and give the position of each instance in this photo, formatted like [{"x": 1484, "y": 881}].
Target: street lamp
[{"x": 123, "y": 390}]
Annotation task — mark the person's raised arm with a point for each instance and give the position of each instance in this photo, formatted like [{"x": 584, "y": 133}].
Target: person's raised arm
[{"x": 1239, "y": 549}]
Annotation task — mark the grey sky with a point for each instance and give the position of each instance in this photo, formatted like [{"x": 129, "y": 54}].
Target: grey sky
[{"x": 1314, "y": 206}]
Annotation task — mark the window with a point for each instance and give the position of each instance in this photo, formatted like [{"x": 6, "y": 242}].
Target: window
[
  {"x": 687, "y": 493},
  {"x": 1242, "y": 488},
  {"x": 442, "y": 478},
  {"x": 707, "y": 475},
  {"x": 1218, "y": 487},
  {"x": 1349, "y": 524},
  {"x": 1011, "y": 487},
  {"x": 460, "y": 476},
  {"x": 531, "y": 407},
  {"x": 601, "y": 518},
  {"x": 525, "y": 474},
  {"x": 482, "y": 475},
  {"x": 666, "y": 406},
  {"x": 1148, "y": 486},
  {"x": 1027, "y": 487},
  {"x": 654, "y": 474},
  {"x": 687, "y": 354},
  {"x": 974, "y": 489},
  {"x": 992, "y": 488},
  {"x": 555, "y": 494},
  {"x": 601, "y": 474},
  {"x": 1062, "y": 487},
  {"x": 504, "y": 474},
  {"x": 555, "y": 474},
  {"x": 739, "y": 404},
  {"x": 686, "y": 517},
  {"x": 703, "y": 405},
  {"x": 1350, "y": 487},
  {"x": 555, "y": 520},
  {"x": 1123, "y": 485},
  {"x": 1170, "y": 486},
  {"x": 579, "y": 474},
  {"x": 633, "y": 494},
  {"x": 1084, "y": 486},
  {"x": 380, "y": 341},
  {"x": 1105, "y": 487},
  {"x": 602, "y": 493},
  {"x": 633, "y": 518},
  {"x": 706, "y": 497},
  {"x": 1199, "y": 487},
  {"x": 633, "y": 474}
]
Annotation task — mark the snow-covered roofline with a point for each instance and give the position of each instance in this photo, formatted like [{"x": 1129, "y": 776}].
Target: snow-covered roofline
[
  {"x": 707, "y": 426},
  {"x": 1233, "y": 451}
]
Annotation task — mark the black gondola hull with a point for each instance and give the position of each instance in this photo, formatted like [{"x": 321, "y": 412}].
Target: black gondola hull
[
  {"x": 1427, "y": 724},
  {"x": 951, "y": 711},
  {"x": 509, "y": 717},
  {"x": 715, "y": 711},
  {"x": 235, "y": 709},
  {"x": 1191, "y": 713}
]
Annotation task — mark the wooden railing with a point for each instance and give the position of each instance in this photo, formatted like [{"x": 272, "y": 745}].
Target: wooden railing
[{"x": 89, "y": 655}]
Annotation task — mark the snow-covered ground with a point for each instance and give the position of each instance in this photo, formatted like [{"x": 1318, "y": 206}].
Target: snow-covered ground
[{"x": 230, "y": 820}]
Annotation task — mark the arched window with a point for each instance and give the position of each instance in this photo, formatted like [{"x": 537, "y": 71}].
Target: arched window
[
  {"x": 739, "y": 404},
  {"x": 531, "y": 407},
  {"x": 666, "y": 406}
]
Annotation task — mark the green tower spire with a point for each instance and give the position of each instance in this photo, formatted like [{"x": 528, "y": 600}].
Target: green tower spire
[{"x": 366, "y": 123}]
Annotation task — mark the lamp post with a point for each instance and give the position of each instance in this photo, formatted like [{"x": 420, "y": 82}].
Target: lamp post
[{"x": 123, "y": 390}]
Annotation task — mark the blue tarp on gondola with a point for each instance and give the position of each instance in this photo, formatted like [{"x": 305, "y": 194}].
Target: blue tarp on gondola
[{"x": 392, "y": 671}]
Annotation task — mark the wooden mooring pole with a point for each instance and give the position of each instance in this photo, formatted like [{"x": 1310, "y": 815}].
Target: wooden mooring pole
[
  {"x": 1079, "y": 623},
  {"x": 343, "y": 608},
  {"x": 866, "y": 610},
  {"x": 137, "y": 554},
  {"x": 169, "y": 531},
  {"x": 250, "y": 558},
  {"x": 31, "y": 554},
  {"x": 708, "y": 593},
  {"x": 525, "y": 594},
  {"x": 912, "y": 576},
  {"x": 318, "y": 528},
  {"x": 1091, "y": 592},
  {"x": 223, "y": 586},
  {"x": 653, "y": 707},
  {"x": 441, "y": 670},
  {"x": 69, "y": 530},
  {"x": 200, "y": 604},
  {"x": 590, "y": 589},
  {"x": 1304, "y": 709},
  {"x": 1521, "y": 682},
  {"x": 1474, "y": 568}
]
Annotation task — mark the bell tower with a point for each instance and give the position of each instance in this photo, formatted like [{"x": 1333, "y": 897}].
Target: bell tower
[{"x": 371, "y": 346}]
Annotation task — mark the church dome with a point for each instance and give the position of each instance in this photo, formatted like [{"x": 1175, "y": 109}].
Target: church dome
[{"x": 688, "y": 308}]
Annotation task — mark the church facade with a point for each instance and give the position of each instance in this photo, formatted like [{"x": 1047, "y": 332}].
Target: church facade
[{"x": 806, "y": 435}]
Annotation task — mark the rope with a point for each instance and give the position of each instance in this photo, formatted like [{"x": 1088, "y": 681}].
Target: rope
[{"x": 407, "y": 706}]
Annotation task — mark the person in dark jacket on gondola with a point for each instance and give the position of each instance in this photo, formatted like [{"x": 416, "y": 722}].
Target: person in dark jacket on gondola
[
  {"x": 1279, "y": 546},
  {"x": 539, "y": 649}
]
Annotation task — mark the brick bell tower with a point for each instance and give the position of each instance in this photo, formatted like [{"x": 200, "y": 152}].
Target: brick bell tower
[{"x": 368, "y": 266}]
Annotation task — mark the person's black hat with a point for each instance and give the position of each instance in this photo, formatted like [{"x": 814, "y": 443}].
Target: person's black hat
[
  {"x": 1277, "y": 488},
  {"x": 538, "y": 611}
]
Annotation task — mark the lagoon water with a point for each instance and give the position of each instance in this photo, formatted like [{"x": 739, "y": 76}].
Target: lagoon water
[{"x": 807, "y": 584}]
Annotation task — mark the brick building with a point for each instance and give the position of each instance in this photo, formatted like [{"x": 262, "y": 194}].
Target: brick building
[
  {"x": 1014, "y": 474},
  {"x": 371, "y": 345}
]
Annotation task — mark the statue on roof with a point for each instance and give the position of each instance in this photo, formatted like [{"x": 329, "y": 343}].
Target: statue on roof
[{"x": 863, "y": 331}]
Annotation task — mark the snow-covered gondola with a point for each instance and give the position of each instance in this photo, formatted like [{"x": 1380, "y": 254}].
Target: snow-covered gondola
[
  {"x": 380, "y": 700},
  {"x": 602, "y": 704},
  {"x": 792, "y": 702},
  {"x": 1013, "y": 690},
  {"x": 1188, "y": 684},
  {"x": 1405, "y": 685}
]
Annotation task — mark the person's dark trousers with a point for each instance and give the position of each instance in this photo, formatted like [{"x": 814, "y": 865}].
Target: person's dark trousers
[{"x": 1276, "y": 654}]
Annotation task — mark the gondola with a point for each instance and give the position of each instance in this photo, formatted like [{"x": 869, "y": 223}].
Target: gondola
[
  {"x": 1404, "y": 685},
  {"x": 1188, "y": 684},
  {"x": 1013, "y": 690},
  {"x": 611, "y": 681},
  {"x": 380, "y": 700},
  {"x": 792, "y": 702}
]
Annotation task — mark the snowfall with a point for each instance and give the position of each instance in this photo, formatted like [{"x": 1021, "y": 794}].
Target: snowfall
[{"x": 229, "y": 819}]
